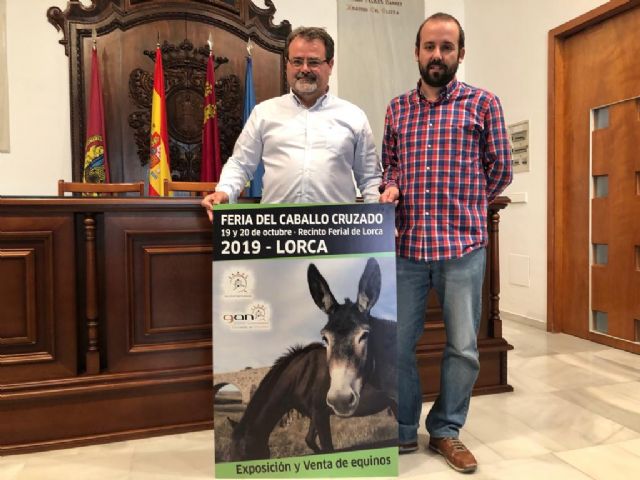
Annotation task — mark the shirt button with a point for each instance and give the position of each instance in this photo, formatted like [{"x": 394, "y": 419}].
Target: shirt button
[
  {"x": 428, "y": 168},
  {"x": 428, "y": 191},
  {"x": 431, "y": 124},
  {"x": 426, "y": 213}
]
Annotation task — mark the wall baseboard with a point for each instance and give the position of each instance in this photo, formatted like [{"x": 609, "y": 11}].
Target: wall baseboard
[{"x": 531, "y": 322}]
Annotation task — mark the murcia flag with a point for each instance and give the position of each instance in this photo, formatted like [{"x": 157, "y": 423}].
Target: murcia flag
[
  {"x": 96, "y": 167},
  {"x": 159, "y": 153},
  {"x": 211, "y": 165}
]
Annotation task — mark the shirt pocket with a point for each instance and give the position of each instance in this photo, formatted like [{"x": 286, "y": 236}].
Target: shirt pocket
[
  {"x": 466, "y": 141},
  {"x": 338, "y": 140}
]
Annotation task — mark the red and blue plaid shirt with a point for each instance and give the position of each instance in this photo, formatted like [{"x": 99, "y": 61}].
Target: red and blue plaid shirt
[{"x": 449, "y": 159}]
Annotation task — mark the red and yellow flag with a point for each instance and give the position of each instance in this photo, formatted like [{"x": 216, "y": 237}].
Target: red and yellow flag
[
  {"x": 96, "y": 167},
  {"x": 211, "y": 165},
  {"x": 159, "y": 159}
]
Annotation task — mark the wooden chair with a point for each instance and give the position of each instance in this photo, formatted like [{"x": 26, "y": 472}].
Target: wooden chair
[
  {"x": 195, "y": 189},
  {"x": 99, "y": 189}
]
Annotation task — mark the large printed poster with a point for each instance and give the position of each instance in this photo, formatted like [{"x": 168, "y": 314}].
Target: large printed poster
[{"x": 304, "y": 329}]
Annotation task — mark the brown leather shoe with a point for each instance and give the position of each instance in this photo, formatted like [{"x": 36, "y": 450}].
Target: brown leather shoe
[{"x": 455, "y": 453}]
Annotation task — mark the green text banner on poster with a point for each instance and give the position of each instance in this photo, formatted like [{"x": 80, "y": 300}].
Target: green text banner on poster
[{"x": 304, "y": 334}]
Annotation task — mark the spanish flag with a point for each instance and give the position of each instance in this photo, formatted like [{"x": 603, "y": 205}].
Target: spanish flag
[
  {"x": 159, "y": 162},
  {"x": 96, "y": 167},
  {"x": 211, "y": 164}
]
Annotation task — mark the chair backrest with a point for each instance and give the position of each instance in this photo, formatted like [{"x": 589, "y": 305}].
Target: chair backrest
[
  {"x": 195, "y": 189},
  {"x": 100, "y": 189}
]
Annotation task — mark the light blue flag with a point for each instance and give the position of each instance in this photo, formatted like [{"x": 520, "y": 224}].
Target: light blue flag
[{"x": 255, "y": 187}]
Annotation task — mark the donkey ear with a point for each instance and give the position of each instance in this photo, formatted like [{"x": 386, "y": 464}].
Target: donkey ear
[
  {"x": 232, "y": 422},
  {"x": 320, "y": 290},
  {"x": 369, "y": 286}
]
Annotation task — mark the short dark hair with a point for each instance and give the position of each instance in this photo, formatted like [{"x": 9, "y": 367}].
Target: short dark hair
[
  {"x": 309, "y": 34},
  {"x": 447, "y": 18}
]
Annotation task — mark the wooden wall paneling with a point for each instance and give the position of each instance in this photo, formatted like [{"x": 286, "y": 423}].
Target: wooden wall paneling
[
  {"x": 103, "y": 408},
  {"x": 158, "y": 290},
  {"x": 37, "y": 297}
]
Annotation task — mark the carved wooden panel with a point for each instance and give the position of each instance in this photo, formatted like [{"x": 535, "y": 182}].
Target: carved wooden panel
[
  {"x": 18, "y": 325},
  {"x": 37, "y": 298},
  {"x": 174, "y": 306},
  {"x": 184, "y": 72},
  {"x": 125, "y": 30},
  {"x": 158, "y": 291}
]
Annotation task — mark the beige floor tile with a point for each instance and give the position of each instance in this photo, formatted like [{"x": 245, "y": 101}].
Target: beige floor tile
[
  {"x": 620, "y": 357},
  {"x": 530, "y": 342},
  {"x": 9, "y": 470},
  {"x": 565, "y": 425},
  {"x": 545, "y": 467},
  {"x": 606, "y": 462},
  {"x": 100, "y": 462},
  {"x": 164, "y": 458},
  {"x": 632, "y": 446},
  {"x": 594, "y": 362},
  {"x": 557, "y": 374},
  {"x": 619, "y": 402}
]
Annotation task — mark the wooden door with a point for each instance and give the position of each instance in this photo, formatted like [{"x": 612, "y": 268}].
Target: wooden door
[{"x": 594, "y": 127}]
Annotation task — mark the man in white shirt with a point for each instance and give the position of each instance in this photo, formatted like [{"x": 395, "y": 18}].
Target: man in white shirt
[{"x": 312, "y": 143}]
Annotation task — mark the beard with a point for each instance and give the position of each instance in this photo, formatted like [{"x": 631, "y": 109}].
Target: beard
[
  {"x": 439, "y": 77},
  {"x": 305, "y": 83}
]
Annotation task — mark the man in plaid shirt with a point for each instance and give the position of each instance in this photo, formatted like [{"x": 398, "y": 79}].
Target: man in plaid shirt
[{"x": 446, "y": 155}]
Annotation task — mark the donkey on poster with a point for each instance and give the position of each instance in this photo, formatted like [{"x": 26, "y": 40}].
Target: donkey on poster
[
  {"x": 298, "y": 380},
  {"x": 361, "y": 349}
]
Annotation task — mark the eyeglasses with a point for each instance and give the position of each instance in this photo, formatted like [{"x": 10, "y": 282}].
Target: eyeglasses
[{"x": 311, "y": 62}]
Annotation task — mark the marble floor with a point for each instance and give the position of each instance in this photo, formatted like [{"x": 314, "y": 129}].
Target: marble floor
[{"x": 575, "y": 414}]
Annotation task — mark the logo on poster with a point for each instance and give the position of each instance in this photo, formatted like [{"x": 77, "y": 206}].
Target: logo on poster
[
  {"x": 256, "y": 317},
  {"x": 237, "y": 285}
]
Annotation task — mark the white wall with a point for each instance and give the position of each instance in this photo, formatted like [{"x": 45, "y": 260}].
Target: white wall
[
  {"x": 38, "y": 75},
  {"x": 507, "y": 54},
  {"x": 323, "y": 13},
  {"x": 4, "y": 88}
]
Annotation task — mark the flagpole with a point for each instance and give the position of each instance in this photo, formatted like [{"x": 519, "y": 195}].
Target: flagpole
[{"x": 255, "y": 186}]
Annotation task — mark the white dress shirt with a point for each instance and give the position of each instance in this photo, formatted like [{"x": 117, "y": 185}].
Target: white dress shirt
[{"x": 311, "y": 155}]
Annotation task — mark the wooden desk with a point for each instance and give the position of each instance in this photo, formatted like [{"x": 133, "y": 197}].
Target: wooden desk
[{"x": 105, "y": 321}]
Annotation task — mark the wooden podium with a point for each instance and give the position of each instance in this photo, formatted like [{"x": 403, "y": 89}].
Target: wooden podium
[{"x": 105, "y": 321}]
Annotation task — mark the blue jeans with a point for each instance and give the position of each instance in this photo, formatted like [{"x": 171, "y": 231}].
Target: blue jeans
[{"x": 458, "y": 283}]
